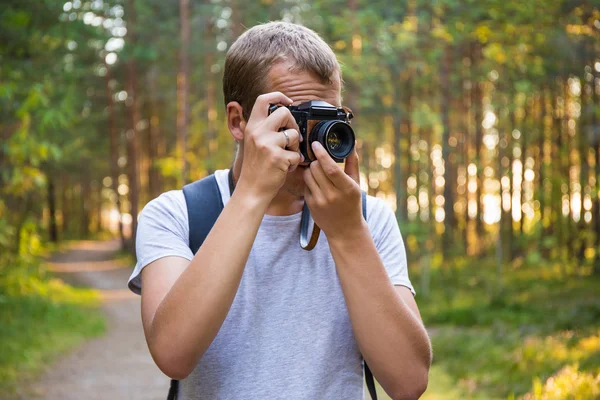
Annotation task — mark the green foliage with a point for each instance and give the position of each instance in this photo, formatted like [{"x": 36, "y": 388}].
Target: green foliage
[
  {"x": 46, "y": 126},
  {"x": 40, "y": 317},
  {"x": 568, "y": 383},
  {"x": 498, "y": 346}
]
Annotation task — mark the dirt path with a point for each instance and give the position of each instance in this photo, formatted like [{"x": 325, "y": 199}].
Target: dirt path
[{"x": 117, "y": 365}]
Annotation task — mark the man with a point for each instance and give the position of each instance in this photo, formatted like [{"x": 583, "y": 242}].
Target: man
[{"x": 252, "y": 315}]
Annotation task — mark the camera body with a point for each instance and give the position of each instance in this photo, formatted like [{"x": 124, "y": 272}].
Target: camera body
[{"x": 327, "y": 124}]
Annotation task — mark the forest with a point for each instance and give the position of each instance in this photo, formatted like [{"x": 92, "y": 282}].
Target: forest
[{"x": 478, "y": 122}]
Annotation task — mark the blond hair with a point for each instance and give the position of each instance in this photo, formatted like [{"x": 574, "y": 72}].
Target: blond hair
[{"x": 252, "y": 55}]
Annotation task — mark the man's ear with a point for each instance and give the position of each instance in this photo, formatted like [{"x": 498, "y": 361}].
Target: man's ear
[{"x": 235, "y": 120}]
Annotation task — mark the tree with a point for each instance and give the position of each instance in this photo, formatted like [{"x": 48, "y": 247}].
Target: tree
[{"x": 183, "y": 113}]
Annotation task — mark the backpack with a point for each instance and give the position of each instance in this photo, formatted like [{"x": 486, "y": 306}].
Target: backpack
[{"x": 204, "y": 205}]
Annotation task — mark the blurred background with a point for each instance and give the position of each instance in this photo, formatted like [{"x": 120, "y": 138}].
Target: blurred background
[{"x": 477, "y": 121}]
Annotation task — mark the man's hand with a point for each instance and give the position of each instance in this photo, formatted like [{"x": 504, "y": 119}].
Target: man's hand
[
  {"x": 332, "y": 194},
  {"x": 268, "y": 157}
]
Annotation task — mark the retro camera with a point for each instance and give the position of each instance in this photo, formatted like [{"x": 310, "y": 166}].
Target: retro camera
[{"x": 327, "y": 124}]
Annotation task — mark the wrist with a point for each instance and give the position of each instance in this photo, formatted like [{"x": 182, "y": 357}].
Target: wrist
[
  {"x": 350, "y": 237},
  {"x": 249, "y": 198}
]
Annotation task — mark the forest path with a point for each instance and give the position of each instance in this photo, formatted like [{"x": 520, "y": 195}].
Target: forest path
[{"x": 117, "y": 365}]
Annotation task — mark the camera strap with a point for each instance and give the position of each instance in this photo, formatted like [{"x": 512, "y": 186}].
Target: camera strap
[
  {"x": 204, "y": 205},
  {"x": 306, "y": 242},
  {"x": 309, "y": 243}
]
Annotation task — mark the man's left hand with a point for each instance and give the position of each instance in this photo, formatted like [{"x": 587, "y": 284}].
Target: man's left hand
[{"x": 333, "y": 195}]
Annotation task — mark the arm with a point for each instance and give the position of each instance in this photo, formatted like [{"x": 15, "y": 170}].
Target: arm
[
  {"x": 385, "y": 319},
  {"x": 185, "y": 303}
]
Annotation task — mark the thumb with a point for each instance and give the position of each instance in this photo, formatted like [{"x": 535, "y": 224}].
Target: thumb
[{"x": 352, "y": 166}]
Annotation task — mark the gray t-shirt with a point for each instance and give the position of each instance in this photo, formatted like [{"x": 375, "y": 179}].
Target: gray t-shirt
[{"x": 288, "y": 333}]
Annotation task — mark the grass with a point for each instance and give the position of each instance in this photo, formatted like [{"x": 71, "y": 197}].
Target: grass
[
  {"x": 517, "y": 337},
  {"x": 40, "y": 317},
  {"x": 441, "y": 387}
]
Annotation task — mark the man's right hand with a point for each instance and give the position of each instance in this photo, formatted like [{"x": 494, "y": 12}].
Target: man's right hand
[
  {"x": 267, "y": 160},
  {"x": 184, "y": 303}
]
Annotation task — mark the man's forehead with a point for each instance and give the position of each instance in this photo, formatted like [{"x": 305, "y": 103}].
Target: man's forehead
[{"x": 303, "y": 86}]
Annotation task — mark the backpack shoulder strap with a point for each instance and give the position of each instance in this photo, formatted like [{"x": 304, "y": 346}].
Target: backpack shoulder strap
[
  {"x": 368, "y": 374},
  {"x": 364, "y": 204},
  {"x": 204, "y": 205},
  {"x": 370, "y": 382}
]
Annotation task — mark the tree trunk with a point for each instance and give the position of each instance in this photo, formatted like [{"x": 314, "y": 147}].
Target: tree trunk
[
  {"x": 211, "y": 100},
  {"x": 556, "y": 198},
  {"x": 595, "y": 131},
  {"x": 511, "y": 245},
  {"x": 569, "y": 234},
  {"x": 132, "y": 137},
  {"x": 64, "y": 204},
  {"x": 477, "y": 105},
  {"x": 502, "y": 147},
  {"x": 560, "y": 219},
  {"x": 524, "y": 148},
  {"x": 584, "y": 171},
  {"x": 449, "y": 220},
  {"x": 84, "y": 206},
  {"x": 499, "y": 241},
  {"x": 506, "y": 217},
  {"x": 408, "y": 136},
  {"x": 467, "y": 133},
  {"x": 542, "y": 158},
  {"x": 114, "y": 151},
  {"x": 155, "y": 138},
  {"x": 53, "y": 230},
  {"x": 542, "y": 195},
  {"x": 399, "y": 181},
  {"x": 183, "y": 112},
  {"x": 98, "y": 226}
]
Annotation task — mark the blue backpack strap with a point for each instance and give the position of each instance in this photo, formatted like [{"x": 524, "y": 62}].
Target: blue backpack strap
[
  {"x": 364, "y": 204},
  {"x": 368, "y": 374},
  {"x": 204, "y": 205}
]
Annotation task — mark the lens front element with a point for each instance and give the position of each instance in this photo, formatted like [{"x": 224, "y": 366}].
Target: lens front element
[
  {"x": 337, "y": 137},
  {"x": 334, "y": 142}
]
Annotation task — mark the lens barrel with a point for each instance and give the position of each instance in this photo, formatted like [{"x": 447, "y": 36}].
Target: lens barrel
[{"x": 337, "y": 137}]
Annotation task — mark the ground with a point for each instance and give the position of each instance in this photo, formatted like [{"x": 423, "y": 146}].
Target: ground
[{"x": 117, "y": 365}]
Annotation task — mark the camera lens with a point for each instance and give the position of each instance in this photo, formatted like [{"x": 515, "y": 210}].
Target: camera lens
[
  {"x": 334, "y": 142},
  {"x": 337, "y": 137}
]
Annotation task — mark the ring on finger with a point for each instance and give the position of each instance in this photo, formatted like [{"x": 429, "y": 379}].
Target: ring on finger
[{"x": 287, "y": 138}]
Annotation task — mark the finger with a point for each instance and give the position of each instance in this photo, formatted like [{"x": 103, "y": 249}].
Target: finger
[
  {"x": 293, "y": 158},
  {"x": 261, "y": 105},
  {"x": 281, "y": 118},
  {"x": 330, "y": 169},
  {"x": 320, "y": 177},
  {"x": 311, "y": 185},
  {"x": 310, "y": 181},
  {"x": 352, "y": 167},
  {"x": 294, "y": 139}
]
